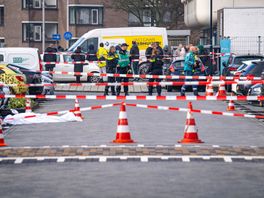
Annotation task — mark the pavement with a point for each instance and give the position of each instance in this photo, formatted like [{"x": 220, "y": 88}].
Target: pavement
[{"x": 78, "y": 159}]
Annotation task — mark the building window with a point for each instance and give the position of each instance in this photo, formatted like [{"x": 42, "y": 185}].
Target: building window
[
  {"x": 2, "y": 14},
  {"x": 33, "y": 31},
  {"x": 2, "y": 42},
  {"x": 146, "y": 17},
  {"x": 80, "y": 15},
  {"x": 37, "y": 4}
]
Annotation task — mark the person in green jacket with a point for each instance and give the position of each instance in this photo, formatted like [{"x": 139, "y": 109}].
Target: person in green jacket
[
  {"x": 123, "y": 67},
  {"x": 189, "y": 64}
]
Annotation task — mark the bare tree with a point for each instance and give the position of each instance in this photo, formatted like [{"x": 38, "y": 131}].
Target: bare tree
[{"x": 165, "y": 13}]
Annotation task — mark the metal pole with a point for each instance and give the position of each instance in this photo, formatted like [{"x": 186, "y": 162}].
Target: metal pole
[
  {"x": 67, "y": 21},
  {"x": 211, "y": 36},
  {"x": 43, "y": 26},
  {"x": 259, "y": 44}
]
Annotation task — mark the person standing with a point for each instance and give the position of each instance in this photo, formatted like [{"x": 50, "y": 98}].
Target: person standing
[
  {"x": 189, "y": 65},
  {"x": 134, "y": 56},
  {"x": 78, "y": 67},
  {"x": 50, "y": 56},
  {"x": 111, "y": 63},
  {"x": 167, "y": 59},
  {"x": 91, "y": 54},
  {"x": 148, "y": 51},
  {"x": 155, "y": 69},
  {"x": 123, "y": 67},
  {"x": 160, "y": 50},
  {"x": 102, "y": 55}
]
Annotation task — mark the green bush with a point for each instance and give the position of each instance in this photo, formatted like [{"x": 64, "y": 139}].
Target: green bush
[{"x": 15, "y": 103}]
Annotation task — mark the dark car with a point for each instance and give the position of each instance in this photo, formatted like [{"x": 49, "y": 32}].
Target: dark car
[
  {"x": 32, "y": 77},
  {"x": 253, "y": 70},
  {"x": 257, "y": 90},
  {"x": 177, "y": 69},
  {"x": 235, "y": 61}
]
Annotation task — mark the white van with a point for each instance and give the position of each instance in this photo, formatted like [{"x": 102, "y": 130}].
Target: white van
[
  {"x": 23, "y": 56},
  {"x": 62, "y": 58},
  {"x": 144, "y": 36}
]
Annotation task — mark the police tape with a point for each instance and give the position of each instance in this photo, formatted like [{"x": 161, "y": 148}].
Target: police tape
[
  {"x": 195, "y": 111},
  {"x": 149, "y": 76},
  {"x": 68, "y": 111},
  {"x": 153, "y": 98},
  {"x": 140, "y": 56},
  {"x": 198, "y": 83}
]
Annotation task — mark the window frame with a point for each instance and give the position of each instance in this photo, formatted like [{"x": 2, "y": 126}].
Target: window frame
[
  {"x": 2, "y": 20},
  {"x": 99, "y": 10},
  {"x": 35, "y": 24},
  {"x": 39, "y": 28},
  {"x": 25, "y": 6},
  {"x": 97, "y": 16}
]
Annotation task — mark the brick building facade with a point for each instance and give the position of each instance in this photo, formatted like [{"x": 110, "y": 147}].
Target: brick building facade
[{"x": 21, "y": 20}]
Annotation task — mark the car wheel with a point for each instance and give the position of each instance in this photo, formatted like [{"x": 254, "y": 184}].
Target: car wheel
[
  {"x": 143, "y": 68},
  {"x": 93, "y": 79}
]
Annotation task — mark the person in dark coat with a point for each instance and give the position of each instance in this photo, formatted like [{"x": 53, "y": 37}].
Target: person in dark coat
[
  {"x": 78, "y": 57},
  {"x": 160, "y": 50},
  {"x": 111, "y": 63},
  {"x": 134, "y": 57},
  {"x": 50, "y": 56},
  {"x": 148, "y": 51},
  {"x": 91, "y": 56},
  {"x": 155, "y": 69}
]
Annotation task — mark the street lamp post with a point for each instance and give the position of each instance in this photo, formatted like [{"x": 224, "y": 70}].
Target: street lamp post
[
  {"x": 43, "y": 26},
  {"x": 211, "y": 36}
]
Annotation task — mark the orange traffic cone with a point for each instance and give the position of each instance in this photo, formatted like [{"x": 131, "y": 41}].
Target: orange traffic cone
[
  {"x": 2, "y": 140},
  {"x": 209, "y": 88},
  {"x": 28, "y": 106},
  {"x": 221, "y": 90},
  {"x": 77, "y": 110},
  {"x": 231, "y": 106},
  {"x": 123, "y": 134},
  {"x": 190, "y": 131}
]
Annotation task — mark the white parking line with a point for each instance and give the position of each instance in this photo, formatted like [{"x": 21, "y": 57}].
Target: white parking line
[
  {"x": 227, "y": 159},
  {"x": 144, "y": 159},
  {"x": 186, "y": 159},
  {"x": 102, "y": 159},
  {"x": 19, "y": 161},
  {"x": 61, "y": 160}
]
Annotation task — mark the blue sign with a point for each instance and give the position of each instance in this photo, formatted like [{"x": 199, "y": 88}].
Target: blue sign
[
  {"x": 67, "y": 36},
  {"x": 225, "y": 45},
  {"x": 56, "y": 37}
]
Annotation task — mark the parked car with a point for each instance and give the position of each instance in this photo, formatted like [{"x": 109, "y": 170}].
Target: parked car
[
  {"x": 9, "y": 76},
  {"x": 63, "y": 65},
  {"x": 32, "y": 77},
  {"x": 257, "y": 90},
  {"x": 47, "y": 90},
  {"x": 177, "y": 68},
  {"x": 235, "y": 61},
  {"x": 243, "y": 66},
  {"x": 24, "y": 56},
  {"x": 253, "y": 70}
]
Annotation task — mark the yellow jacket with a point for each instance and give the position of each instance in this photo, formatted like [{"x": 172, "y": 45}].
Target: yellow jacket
[{"x": 102, "y": 56}]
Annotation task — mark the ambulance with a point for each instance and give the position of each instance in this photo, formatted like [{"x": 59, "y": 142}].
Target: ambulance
[{"x": 144, "y": 36}]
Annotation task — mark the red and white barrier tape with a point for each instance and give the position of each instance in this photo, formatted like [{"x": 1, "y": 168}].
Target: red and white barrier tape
[
  {"x": 195, "y": 111},
  {"x": 152, "y": 76},
  {"x": 153, "y": 98},
  {"x": 199, "y": 83},
  {"x": 67, "y": 111}
]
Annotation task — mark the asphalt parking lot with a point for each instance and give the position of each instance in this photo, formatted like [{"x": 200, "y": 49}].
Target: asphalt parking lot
[{"x": 78, "y": 159}]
